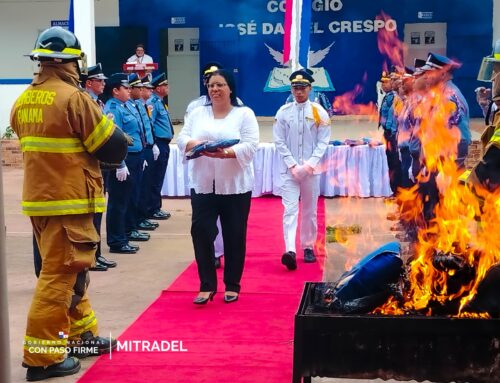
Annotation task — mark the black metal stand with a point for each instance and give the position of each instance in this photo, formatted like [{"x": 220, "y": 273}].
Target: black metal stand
[{"x": 438, "y": 349}]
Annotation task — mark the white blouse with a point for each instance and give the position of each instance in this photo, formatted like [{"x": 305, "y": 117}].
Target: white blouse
[{"x": 227, "y": 175}]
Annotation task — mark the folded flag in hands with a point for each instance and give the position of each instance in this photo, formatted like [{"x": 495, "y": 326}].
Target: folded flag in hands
[{"x": 210, "y": 146}]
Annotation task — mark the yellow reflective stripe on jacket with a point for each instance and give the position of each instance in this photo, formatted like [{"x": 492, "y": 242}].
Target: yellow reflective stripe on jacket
[
  {"x": 45, "y": 346},
  {"x": 100, "y": 133},
  {"x": 80, "y": 326},
  {"x": 51, "y": 145},
  {"x": 64, "y": 207},
  {"x": 464, "y": 177},
  {"x": 496, "y": 137}
]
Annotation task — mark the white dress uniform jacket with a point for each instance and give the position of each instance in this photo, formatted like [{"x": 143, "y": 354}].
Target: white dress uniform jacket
[{"x": 301, "y": 135}]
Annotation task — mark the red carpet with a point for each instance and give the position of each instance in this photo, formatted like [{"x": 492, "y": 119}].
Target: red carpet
[{"x": 247, "y": 341}]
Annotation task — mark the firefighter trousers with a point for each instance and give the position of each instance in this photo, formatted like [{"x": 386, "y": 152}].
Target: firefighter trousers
[{"x": 60, "y": 310}]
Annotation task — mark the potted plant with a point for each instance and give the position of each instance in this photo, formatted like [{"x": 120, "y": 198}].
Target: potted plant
[{"x": 11, "y": 149}]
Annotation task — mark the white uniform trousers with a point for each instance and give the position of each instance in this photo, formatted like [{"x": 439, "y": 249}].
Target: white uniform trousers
[{"x": 308, "y": 191}]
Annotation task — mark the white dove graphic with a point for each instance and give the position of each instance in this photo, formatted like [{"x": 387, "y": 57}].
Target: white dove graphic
[{"x": 314, "y": 58}]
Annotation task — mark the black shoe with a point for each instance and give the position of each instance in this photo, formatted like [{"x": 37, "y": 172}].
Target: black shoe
[
  {"x": 288, "y": 259},
  {"x": 99, "y": 266},
  {"x": 218, "y": 263},
  {"x": 230, "y": 298},
  {"x": 90, "y": 345},
  {"x": 147, "y": 225},
  {"x": 155, "y": 224},
  {"x": 68, "y": 366},
  {"x": 161, "y": 215},
  {"x": 309, "y": 256},
  {"x": 204, "y": 301},
  {"x": 106, "y": 262},
  {"x": 124, "y": 249},
  {"x": 135, "y": 235}
]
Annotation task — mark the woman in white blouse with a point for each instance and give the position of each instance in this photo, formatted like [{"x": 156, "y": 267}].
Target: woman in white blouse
[{"x": 221, "y": 183}]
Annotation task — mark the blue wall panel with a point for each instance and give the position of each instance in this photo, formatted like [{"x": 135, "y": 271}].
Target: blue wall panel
[{"x": 353, "y": 57}]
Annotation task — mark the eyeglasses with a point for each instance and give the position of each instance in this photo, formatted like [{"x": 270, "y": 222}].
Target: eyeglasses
[{"x": 217, "y": 85}]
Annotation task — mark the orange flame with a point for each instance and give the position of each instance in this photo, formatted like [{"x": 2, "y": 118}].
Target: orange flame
[
  {"x": 345, "y": 103},
  {"x": 454, "y": 231},
  {"x": 465, "y": 220},
  {"x": 389, "y": 44}
]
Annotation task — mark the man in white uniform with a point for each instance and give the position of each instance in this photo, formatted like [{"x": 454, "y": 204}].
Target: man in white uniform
[{"x": 301, "y": 134}]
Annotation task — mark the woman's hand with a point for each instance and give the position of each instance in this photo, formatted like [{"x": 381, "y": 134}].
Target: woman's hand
[
  {"x": 192, "y": 143},
  {"x": 220, "y": 153}
]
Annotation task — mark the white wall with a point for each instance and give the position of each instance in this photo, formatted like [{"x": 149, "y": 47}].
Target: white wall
[
  {"x": 22, "y": 20},
  {"x": 20, "y": 23},
  {"x": 8, "y": 94}
]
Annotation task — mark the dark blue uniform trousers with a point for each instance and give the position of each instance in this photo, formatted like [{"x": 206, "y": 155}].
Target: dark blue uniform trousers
[
  {"x": 120, "y": 195},
  {"x": 158, "y": 174}
]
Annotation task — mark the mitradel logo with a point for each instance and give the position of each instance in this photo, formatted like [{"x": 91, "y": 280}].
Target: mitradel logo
[{"x": 151, "y": 346}]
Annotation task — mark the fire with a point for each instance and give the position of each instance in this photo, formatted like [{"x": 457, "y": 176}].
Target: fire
[
  {"x": 456, "y": 248},
  {"x": 390, "y": 45},
  {"x": 461, "y": 234},
  {"x": 345, "y": 103}
]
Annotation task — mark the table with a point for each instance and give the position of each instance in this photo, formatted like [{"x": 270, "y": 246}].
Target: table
[{"x": 353, "y": 171}]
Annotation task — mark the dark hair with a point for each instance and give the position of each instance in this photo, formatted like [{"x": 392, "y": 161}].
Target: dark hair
[
  {"x": 139, "y": 46},
  {"x": 108, "y": 91},
  {"x": 228, "y": 76}
]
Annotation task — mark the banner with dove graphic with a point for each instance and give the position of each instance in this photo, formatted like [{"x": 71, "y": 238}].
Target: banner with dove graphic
[{"x": 278, "y": 81}]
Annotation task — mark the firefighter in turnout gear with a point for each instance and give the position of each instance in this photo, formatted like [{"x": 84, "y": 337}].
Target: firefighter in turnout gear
[{"x": 63, "y": 135}]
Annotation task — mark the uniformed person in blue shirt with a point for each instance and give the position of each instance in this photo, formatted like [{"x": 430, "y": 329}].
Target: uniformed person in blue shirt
[
  {"x": 142, "y": 194},
  {"x": 94, "y": 83},
  {"x": 163, "y": 134},
  {"x": 388, "y": 122},
  {"x": 121, "y": 218}
]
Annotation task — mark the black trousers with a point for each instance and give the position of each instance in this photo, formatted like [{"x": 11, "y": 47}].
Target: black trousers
[
  {"x": 233, "y": 210},
  {"x": 393, "y": 162}
]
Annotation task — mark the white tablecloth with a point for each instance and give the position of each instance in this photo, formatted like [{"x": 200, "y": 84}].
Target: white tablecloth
[{"x": 354, "y": 171}]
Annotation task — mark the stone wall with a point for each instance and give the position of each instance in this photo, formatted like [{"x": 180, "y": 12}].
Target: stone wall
[{"x": 11, "y": 153}]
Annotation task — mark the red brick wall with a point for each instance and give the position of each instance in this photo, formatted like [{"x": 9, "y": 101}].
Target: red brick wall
[{"x": 11, "y": 153}]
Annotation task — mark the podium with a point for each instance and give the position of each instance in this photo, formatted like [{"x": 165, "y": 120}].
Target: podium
[{"x": 139, "y": 68}]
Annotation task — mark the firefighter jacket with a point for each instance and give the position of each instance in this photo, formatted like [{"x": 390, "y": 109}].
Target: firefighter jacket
[
  {"x": 487, "y": 171},
  {"x": 59, "y": 127}
]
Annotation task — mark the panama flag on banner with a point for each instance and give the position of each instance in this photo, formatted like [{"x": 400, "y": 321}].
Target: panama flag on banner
[{"x": 297, "y": 33}]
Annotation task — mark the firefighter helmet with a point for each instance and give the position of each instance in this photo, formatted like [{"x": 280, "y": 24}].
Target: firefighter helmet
[
  {"x": 57, "y": 44},
  {"x": 490, "y": 63}
]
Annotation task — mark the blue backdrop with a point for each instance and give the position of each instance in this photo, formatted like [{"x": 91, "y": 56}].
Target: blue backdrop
[{"x": 235, "y": 32}]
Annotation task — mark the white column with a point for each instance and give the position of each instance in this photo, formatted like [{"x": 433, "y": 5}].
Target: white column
[
  {"x": 496, "y": 20},
  {"x": 4, "y": 312},
  {"x": 85, "y": 27}
]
